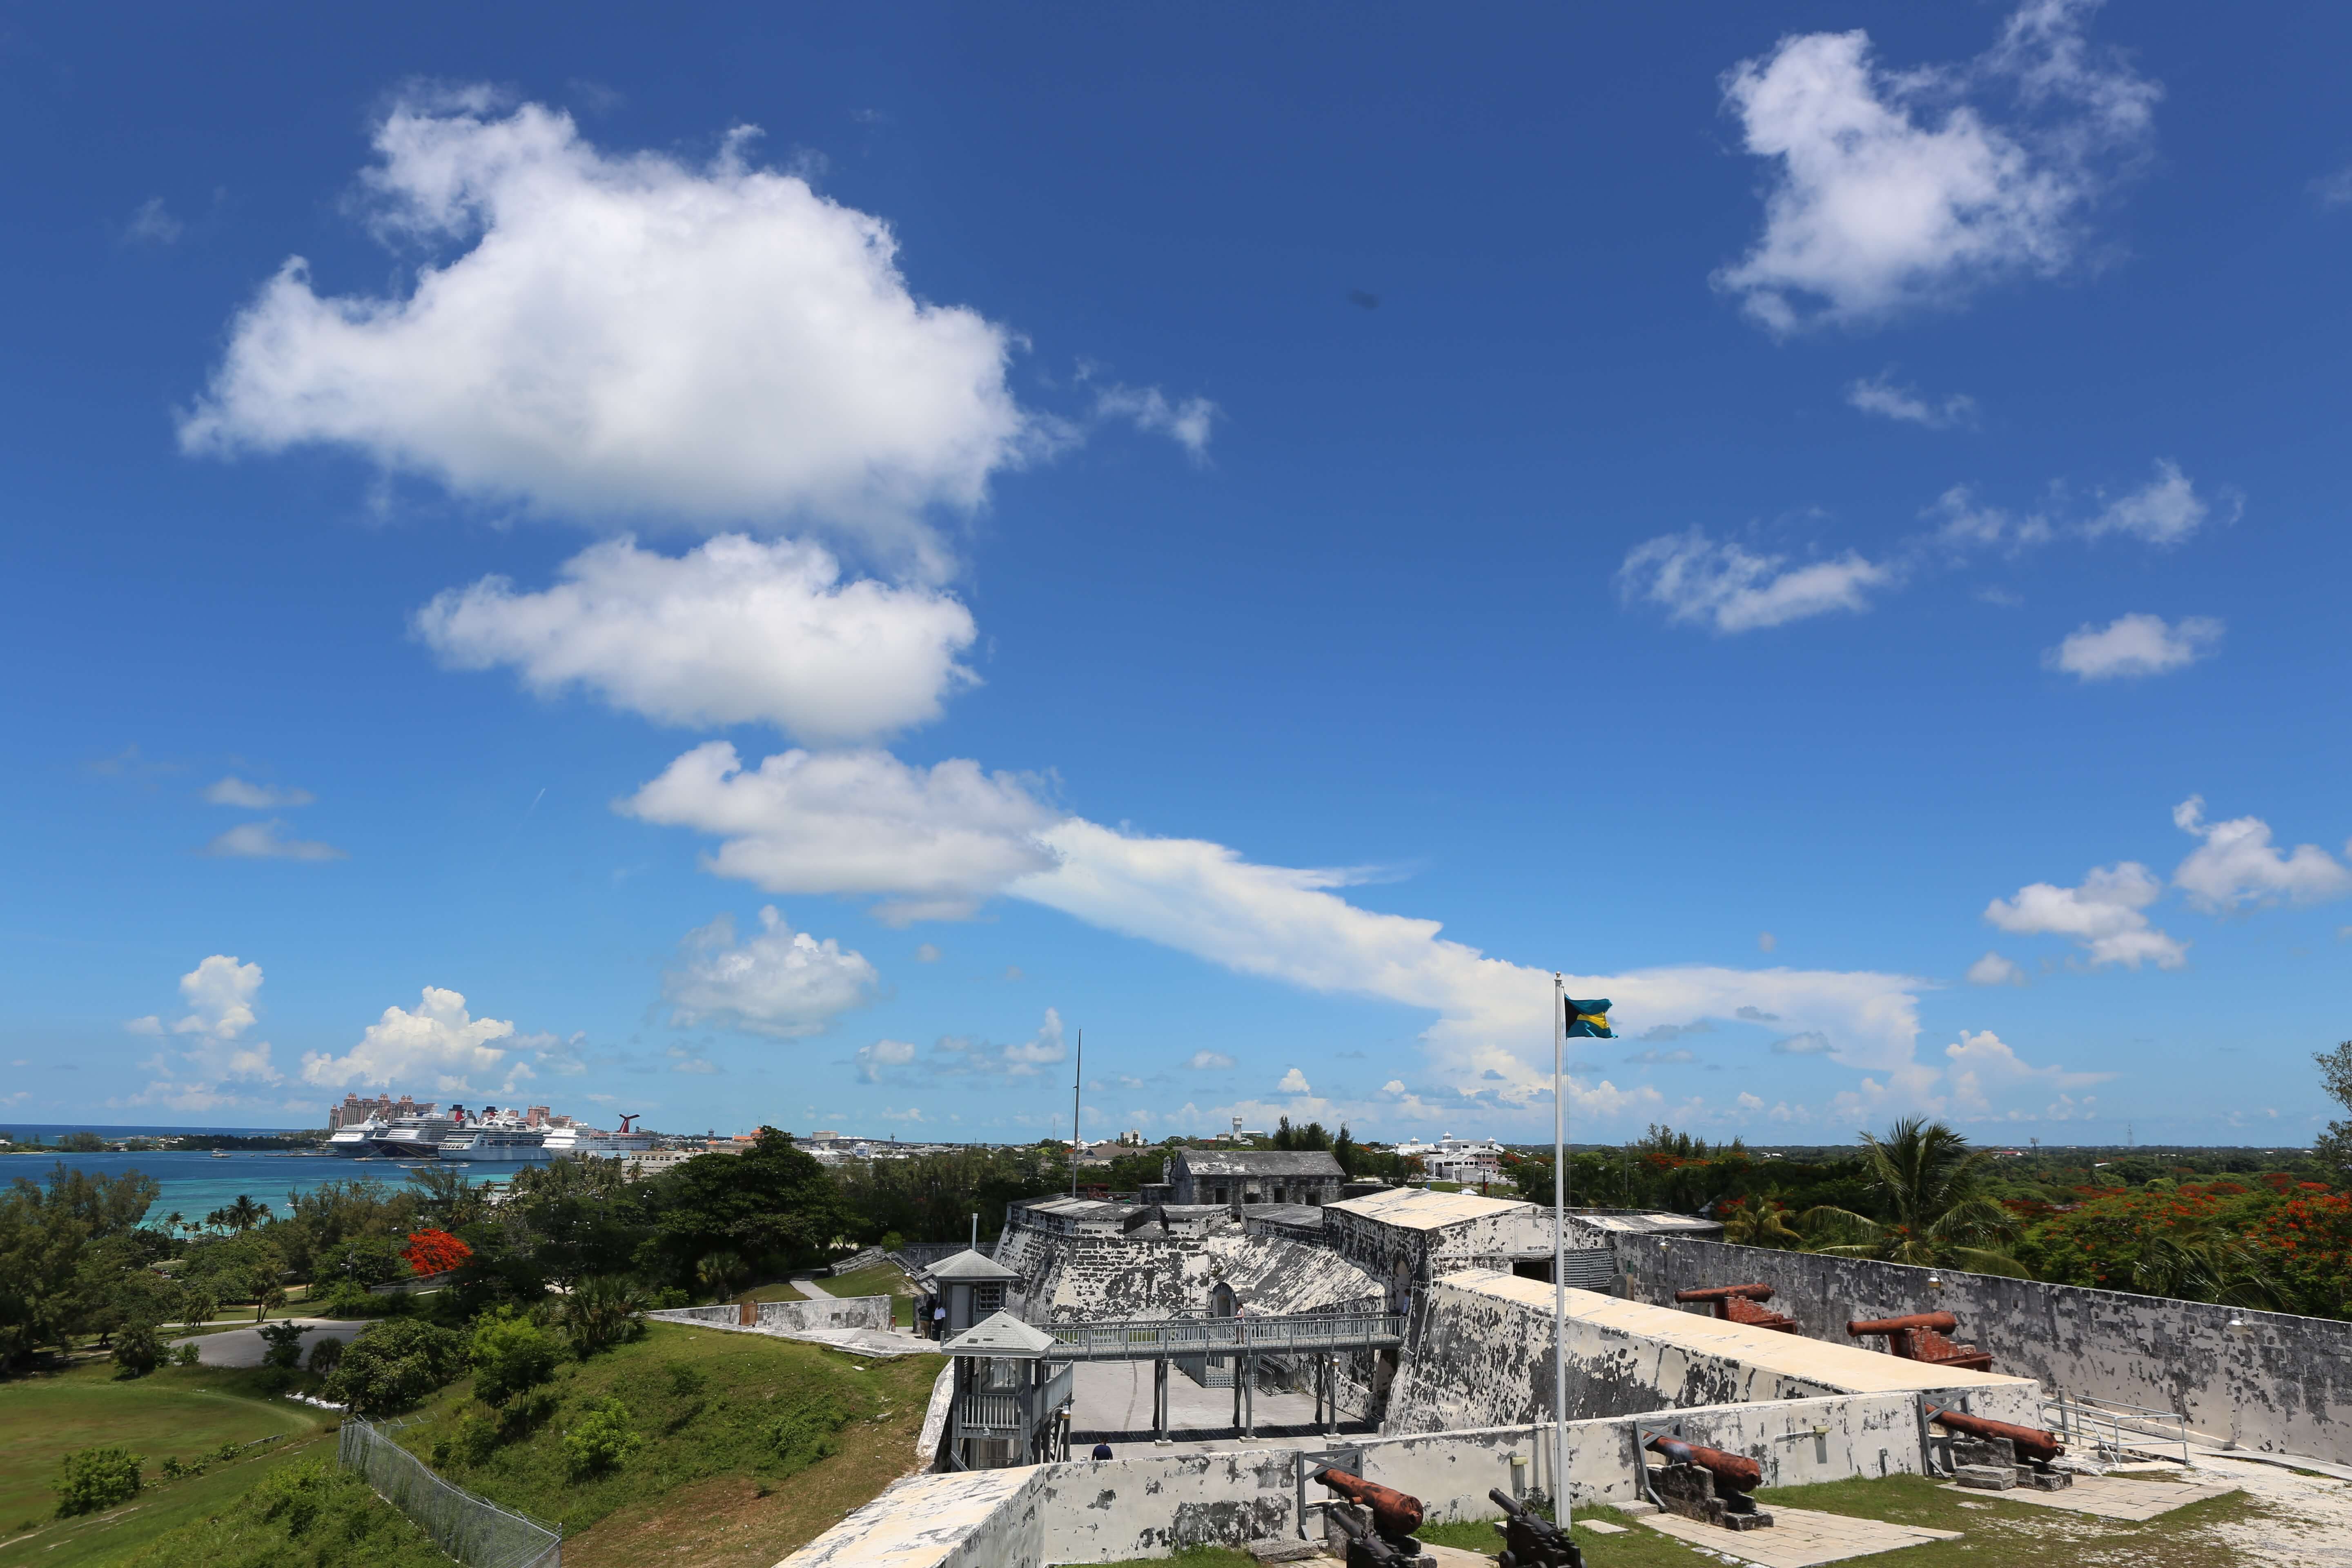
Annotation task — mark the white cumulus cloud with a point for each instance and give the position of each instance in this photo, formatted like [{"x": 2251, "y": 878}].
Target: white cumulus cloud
[
  {"x": 734, "y": 631},
  {"x": 1186, "y": 421},
  {"x": 1293, "y": 1082},
  {"x": 874, "y": 1059},
  {"x": 235, "y": 791},
  {"x": 267, "y": 841},
  {"x": 1980, "y": 1070},
  {"x": 779, "y": 982},
  {"x": 2165, "y": 510},
  {"x": 2106, "y": 915},
  {"x": 439, "y": 1043},
  {"x": 1878, "y": 395},
  {"x": 1993, "y": 969},
  {"x": 1208, "y": 1061},
  {"x": 220, "y": 994},
  {"x": 2238, "y": 864},
  {"x": 934, "y": 843},
  {"x": 2134, "y": 645},
  {"x": 1893, "y": 189},
  {"x": 1723, "y": 584},
  {"x": 612, "y": 335}
]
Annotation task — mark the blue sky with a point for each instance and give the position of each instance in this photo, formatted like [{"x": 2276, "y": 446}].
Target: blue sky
[{"x": 778, "y": 568}]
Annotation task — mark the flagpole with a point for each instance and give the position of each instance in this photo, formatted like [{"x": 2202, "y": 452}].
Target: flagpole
[
  {"x": 1077, "y": 1081},
  {"x": 1560, "y": 1505}
]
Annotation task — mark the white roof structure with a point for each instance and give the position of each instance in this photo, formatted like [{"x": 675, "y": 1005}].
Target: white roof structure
[
  {"x": 1418, "y": 1208},
  {"x": 1002, "y": 1335},
  {"x": 971, "y": 1268}
]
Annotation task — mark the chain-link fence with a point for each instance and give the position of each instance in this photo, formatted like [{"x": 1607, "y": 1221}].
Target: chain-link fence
[{"x": 474, "y": 1531}]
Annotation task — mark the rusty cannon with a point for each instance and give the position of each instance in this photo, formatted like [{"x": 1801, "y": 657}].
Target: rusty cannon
[
  {"x": 1529, "y": 1539},
  {"x": 1383, "y": 1537},
  {"x": 1368, "y": 1549},
  {"x": 1995, "y": 1456},
  {"x": 1707, "y": 1484},
  {"x": 1741, "y": 1304},
  {"x": 1920, "y": 1337},
  {"x": 1394, "y": 1513}
]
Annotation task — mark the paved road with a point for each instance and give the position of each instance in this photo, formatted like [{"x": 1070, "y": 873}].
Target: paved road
[{"x": 243, "y": 1347}]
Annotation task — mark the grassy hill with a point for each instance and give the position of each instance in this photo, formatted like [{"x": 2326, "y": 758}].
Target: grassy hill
[
  {"x": 187, "y": 1413},
  {"x": 747, "y": 1446}
]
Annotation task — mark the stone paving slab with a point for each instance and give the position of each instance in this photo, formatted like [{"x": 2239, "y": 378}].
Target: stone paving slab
[
  {"x": 2116, "y": 1496},
  {"x": 1799, "y": 1537}
]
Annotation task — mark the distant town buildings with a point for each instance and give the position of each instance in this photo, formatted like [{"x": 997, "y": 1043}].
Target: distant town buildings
[
  {"x": 354, "y": 1110},
  {"x": 1237, "y": 1176},
  {"x": 1452, "y": 1159}
]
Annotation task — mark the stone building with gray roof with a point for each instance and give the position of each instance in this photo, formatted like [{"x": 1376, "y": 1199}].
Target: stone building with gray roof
[{"x": 1233, "y": 1177}]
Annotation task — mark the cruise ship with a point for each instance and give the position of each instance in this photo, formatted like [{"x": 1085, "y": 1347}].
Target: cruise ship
[
  {"x": 402, "y": 1137},
  {"x": 496, "y": 1138},
  {"x": 561, "y": 1141}
]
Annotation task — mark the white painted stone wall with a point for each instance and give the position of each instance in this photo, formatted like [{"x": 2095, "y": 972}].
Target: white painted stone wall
[
  {"x": 1479, "y": 1353},
  {"x": 1152, "y": 1505},
  {"x": 2283, "y": 1384},
  {"x": 789, "y": 1317}
]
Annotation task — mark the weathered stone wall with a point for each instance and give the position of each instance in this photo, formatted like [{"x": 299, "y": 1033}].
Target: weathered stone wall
[
  {"x": 1479, "y": 1353},
  {"x": 2284, "y": 1383},
  {"x": 1084, "y": 1279},
  {"x": 833, "y": 1312},
  {"x": 1150, "y": 1505}
]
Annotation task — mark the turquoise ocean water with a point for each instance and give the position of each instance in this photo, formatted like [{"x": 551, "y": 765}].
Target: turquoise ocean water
[{"x": 195, "y": 1183}]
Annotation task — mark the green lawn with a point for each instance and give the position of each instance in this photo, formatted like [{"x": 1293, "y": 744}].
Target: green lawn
[
  {"x": 733, "y": 1428},
  {"x": 183, "y": 1412},
  {"x": 781, "y": 1290},
  {"x": 310, "y": 1513},
  {"x": 883, "y": 1279}
]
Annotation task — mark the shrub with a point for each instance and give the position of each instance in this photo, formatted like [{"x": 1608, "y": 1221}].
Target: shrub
[
  {"x": 186, "y": 1355},
  {"x": 94, "y": 1478},
  {"x": 600, "y": 1311},
  {"x": 512, "y": 1355},
  {"x": 282, "y": 1344},
  {"x": 326, "y": 1354},
  {"x": 137, "y": 1348},
  {"x": 393, "y": 1364},
  {"x": 600, "y": 1440},
  {"x": 470, "y": 1443},
  {"x": 348, "y": 1299}
]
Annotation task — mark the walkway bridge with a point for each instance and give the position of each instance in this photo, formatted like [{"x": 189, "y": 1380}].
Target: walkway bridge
[{"x": 1316, "y": 1339}]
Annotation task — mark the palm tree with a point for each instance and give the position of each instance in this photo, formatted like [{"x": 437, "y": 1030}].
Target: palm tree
[
  {"x": 1933, "y": 1183},
  {"x": 1766, "y": 1224},
  {"x": 2201, "y": 1262},
  {"x": 240, "y": 1216}
]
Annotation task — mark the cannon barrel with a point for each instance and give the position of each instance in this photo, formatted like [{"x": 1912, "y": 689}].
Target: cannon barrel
[
  {"x": 1942, "y": 1322},
  {"x": 1363, "y": 1544},
  {"x": 1393, "y": 1513},
  {"x": 1718, "y": 1292},
  {"x": 1505, "y": 1502},
  {"x": 2031, "y": 1442},
  {"x": 1736, "y": 1471}
]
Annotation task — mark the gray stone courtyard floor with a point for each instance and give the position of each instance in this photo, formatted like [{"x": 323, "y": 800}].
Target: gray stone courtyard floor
[{"x": 1112, "y": 1403}]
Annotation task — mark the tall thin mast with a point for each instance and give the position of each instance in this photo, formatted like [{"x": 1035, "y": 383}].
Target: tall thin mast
[
  {"x": 1077, "y": 1079},
  {"x": 1560, "y": 1505}
]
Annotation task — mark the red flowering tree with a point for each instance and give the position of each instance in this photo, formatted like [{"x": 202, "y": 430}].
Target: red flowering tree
[
  {"x": 432, "y": 1251},
  {"x": 2309, "y": 1240}
]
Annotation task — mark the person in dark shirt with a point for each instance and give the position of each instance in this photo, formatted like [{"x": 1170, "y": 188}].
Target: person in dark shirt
[{"x": 1102, "y": 1450}]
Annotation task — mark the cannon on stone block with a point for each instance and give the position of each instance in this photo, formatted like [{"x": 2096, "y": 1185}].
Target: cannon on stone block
[
  {"x": 1529, "y": 1539},
  {"x": 1741, "y": 1304},
  {"x": 1920, "y": 1337},
  {"x": 1707, "y": 1484},
  {"x": 1995, "y": 1456},
  {"x": 1383, "y": 1537}
]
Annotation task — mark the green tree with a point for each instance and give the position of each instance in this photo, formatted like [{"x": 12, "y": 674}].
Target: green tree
[
  {"x": 392, "y": 1365},
  {"x": 511, "y": 1354},
  {"x": 282, "y": 1345},
  {"x": 62, "y": 1249},
  {"x": 771, "y": 1204},
  {"x": 600, "y": 1440},
  {"x": 1931, "y": 1184},
  {"x": 2332, "y": 1147},
  {"x": 600, "y": 1312},
  {"x": 239, "y": 1216}
]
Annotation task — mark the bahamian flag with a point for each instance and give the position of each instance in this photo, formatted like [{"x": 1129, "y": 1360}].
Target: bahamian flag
[{"x": 1588, "y": 1020}]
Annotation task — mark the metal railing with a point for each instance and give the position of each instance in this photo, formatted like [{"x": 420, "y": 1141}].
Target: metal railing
[
  {"x": 475, "y": 1531},
  {"x": 2107, "y": 1423},
  {"x": 1301, "y": 1333},
  {"x": 991, "y": 1413}
]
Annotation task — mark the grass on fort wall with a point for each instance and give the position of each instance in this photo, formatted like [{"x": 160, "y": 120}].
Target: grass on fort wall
[
  {"x": 883, "y": 1279},
  {"x": 186, "y": 1413},
  {"x": 733, "y": 1469},
  {"x": 1998, "y": 1533}
]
